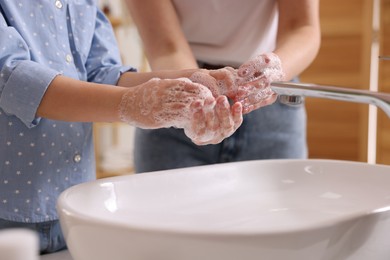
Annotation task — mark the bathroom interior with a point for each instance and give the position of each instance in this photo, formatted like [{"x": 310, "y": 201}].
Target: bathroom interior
[{"x": 354, "y": 34}]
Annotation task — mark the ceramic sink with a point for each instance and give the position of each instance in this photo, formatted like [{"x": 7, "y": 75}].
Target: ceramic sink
[{"x": 269, "y": 209}]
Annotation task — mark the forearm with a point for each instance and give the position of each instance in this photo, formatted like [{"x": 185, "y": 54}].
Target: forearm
[
  {"x": 297, "y": 49},
  {"x": 131, "y": 79},
  {"x": 164, "y": 42},
  {"x": 299, "y": 35},
  {"x": 68, "y": 99},
  {"x": 175, "y": 60}
]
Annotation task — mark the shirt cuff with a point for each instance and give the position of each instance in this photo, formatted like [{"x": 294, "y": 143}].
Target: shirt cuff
[
  {"x": 24, "y": 90},
  {"x": 112, "y": 75}
]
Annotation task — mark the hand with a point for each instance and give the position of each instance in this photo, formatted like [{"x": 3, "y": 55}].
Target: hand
[
  {"x": 248, "y": 85},
  {"x": 220, "y": 82},
  {"x": 161, "y": 103},
  {"x": 213, "y": 121},
  {"x": 183, "y": 104},
  {"x": 254, "y": 80}
]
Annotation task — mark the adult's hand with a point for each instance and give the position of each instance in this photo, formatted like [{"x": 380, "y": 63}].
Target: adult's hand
[{"x": 254, "y": 78}]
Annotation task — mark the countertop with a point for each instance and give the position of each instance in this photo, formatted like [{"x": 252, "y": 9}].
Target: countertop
[{"x": 63, "y": 255}]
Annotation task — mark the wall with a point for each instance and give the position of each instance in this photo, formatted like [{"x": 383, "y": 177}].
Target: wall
[
  {"x": 338, "y": 130},
  {"x": 384, "y": 85}
]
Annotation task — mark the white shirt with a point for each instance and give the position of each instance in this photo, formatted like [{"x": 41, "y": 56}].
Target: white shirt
[{"x": 228, "y": 32}]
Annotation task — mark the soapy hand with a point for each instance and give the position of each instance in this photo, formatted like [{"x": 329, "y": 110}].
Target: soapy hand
[
  {"x": 180, "y": 103},
  {"x": 254, "y": 80},
  {"x": 248, "y": 85},
  {"x": 220, "y": 82},
  {"x": 213, "y": 121}
]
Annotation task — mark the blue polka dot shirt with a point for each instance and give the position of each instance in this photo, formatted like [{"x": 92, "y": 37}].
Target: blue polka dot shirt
[{"x": 39, "y": 158}]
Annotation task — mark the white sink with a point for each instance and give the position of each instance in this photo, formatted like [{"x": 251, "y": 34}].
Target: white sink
[{"x": 271, "y": 210}]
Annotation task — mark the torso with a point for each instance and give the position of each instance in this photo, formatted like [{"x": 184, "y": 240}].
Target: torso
[{"x": 228, "y": 31}]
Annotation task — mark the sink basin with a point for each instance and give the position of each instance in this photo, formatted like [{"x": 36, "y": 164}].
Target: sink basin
[{"x": 268, "y": 209}]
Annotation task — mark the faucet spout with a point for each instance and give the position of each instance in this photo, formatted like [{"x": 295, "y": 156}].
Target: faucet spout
[{"x": 291, "y": 93}]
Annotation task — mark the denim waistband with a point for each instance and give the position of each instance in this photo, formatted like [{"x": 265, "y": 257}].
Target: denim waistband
[{"x": 208, "y": 66}]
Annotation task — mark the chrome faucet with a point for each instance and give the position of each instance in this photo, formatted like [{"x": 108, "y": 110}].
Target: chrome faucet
[{"x": 292, "y": 93}]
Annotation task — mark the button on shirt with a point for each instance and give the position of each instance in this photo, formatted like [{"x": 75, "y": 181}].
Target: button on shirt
[
  {"x": 39, "y": 158},
  {"x": 58, "y": 4}
]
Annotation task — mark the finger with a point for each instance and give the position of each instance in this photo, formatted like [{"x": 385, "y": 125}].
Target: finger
[
  {"x": 174, "y": 87},
  {"x": 231, "y": 69},
  {"x": 237, "y": 114},
  {"x": 208, "y": 109},
  {"x": 185, "y": 94},
  {"x": 254, "y": 68},
  {"x": 225, "y": 120},
  {"x": 197, "y": 123},
  {"x": 257, "y": 64},
  {"x": 256, "y": 96},
  {"x": 250, "y": 106},
  {"x": 174, "y": 107},
  {"x": 207, "y": 81},
  {"x": 211, "y": 123},
  {"x": 252, "y": 88},
  {"x": 226, "y": 79},
  {"x": 196, "y": 89}
]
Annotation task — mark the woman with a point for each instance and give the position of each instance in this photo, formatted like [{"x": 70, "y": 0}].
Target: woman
[{"x": 263, "y": 39}]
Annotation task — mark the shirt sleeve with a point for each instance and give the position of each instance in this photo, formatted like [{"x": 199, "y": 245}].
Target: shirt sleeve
[
  {"x": 22, "y": 81},
  {"x": 104, "y": 62}
]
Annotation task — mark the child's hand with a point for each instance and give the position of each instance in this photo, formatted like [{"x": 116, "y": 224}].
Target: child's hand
[
  {"x": 213, "y": 121},
  {"x": 220, "y": 82},
  {"x": 180, "y": 103},
  {"x": 161, "y": 103}
]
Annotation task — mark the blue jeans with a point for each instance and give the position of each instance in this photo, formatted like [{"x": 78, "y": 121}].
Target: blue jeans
[
  {"x": 50, "y": 234},
  {"x": 272, "y": 132}
]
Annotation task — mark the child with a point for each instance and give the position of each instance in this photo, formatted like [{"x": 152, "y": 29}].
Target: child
[{"x": 58, "y": 64}]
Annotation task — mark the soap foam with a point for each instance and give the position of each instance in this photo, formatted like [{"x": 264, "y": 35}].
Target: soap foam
[{"x": 161, "y": 103}]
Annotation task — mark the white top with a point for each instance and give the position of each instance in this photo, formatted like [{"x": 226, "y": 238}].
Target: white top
[{"x": 228, "y": 32}]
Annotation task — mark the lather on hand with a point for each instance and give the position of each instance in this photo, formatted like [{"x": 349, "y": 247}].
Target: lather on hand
[
  {"x": 182, "y": 104},
  {"x": 254, "y": 79},
  {"x": 249, "y": 85}
]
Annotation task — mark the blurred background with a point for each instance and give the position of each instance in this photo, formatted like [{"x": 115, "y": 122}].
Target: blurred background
[{"x": 354, "y": 34}]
